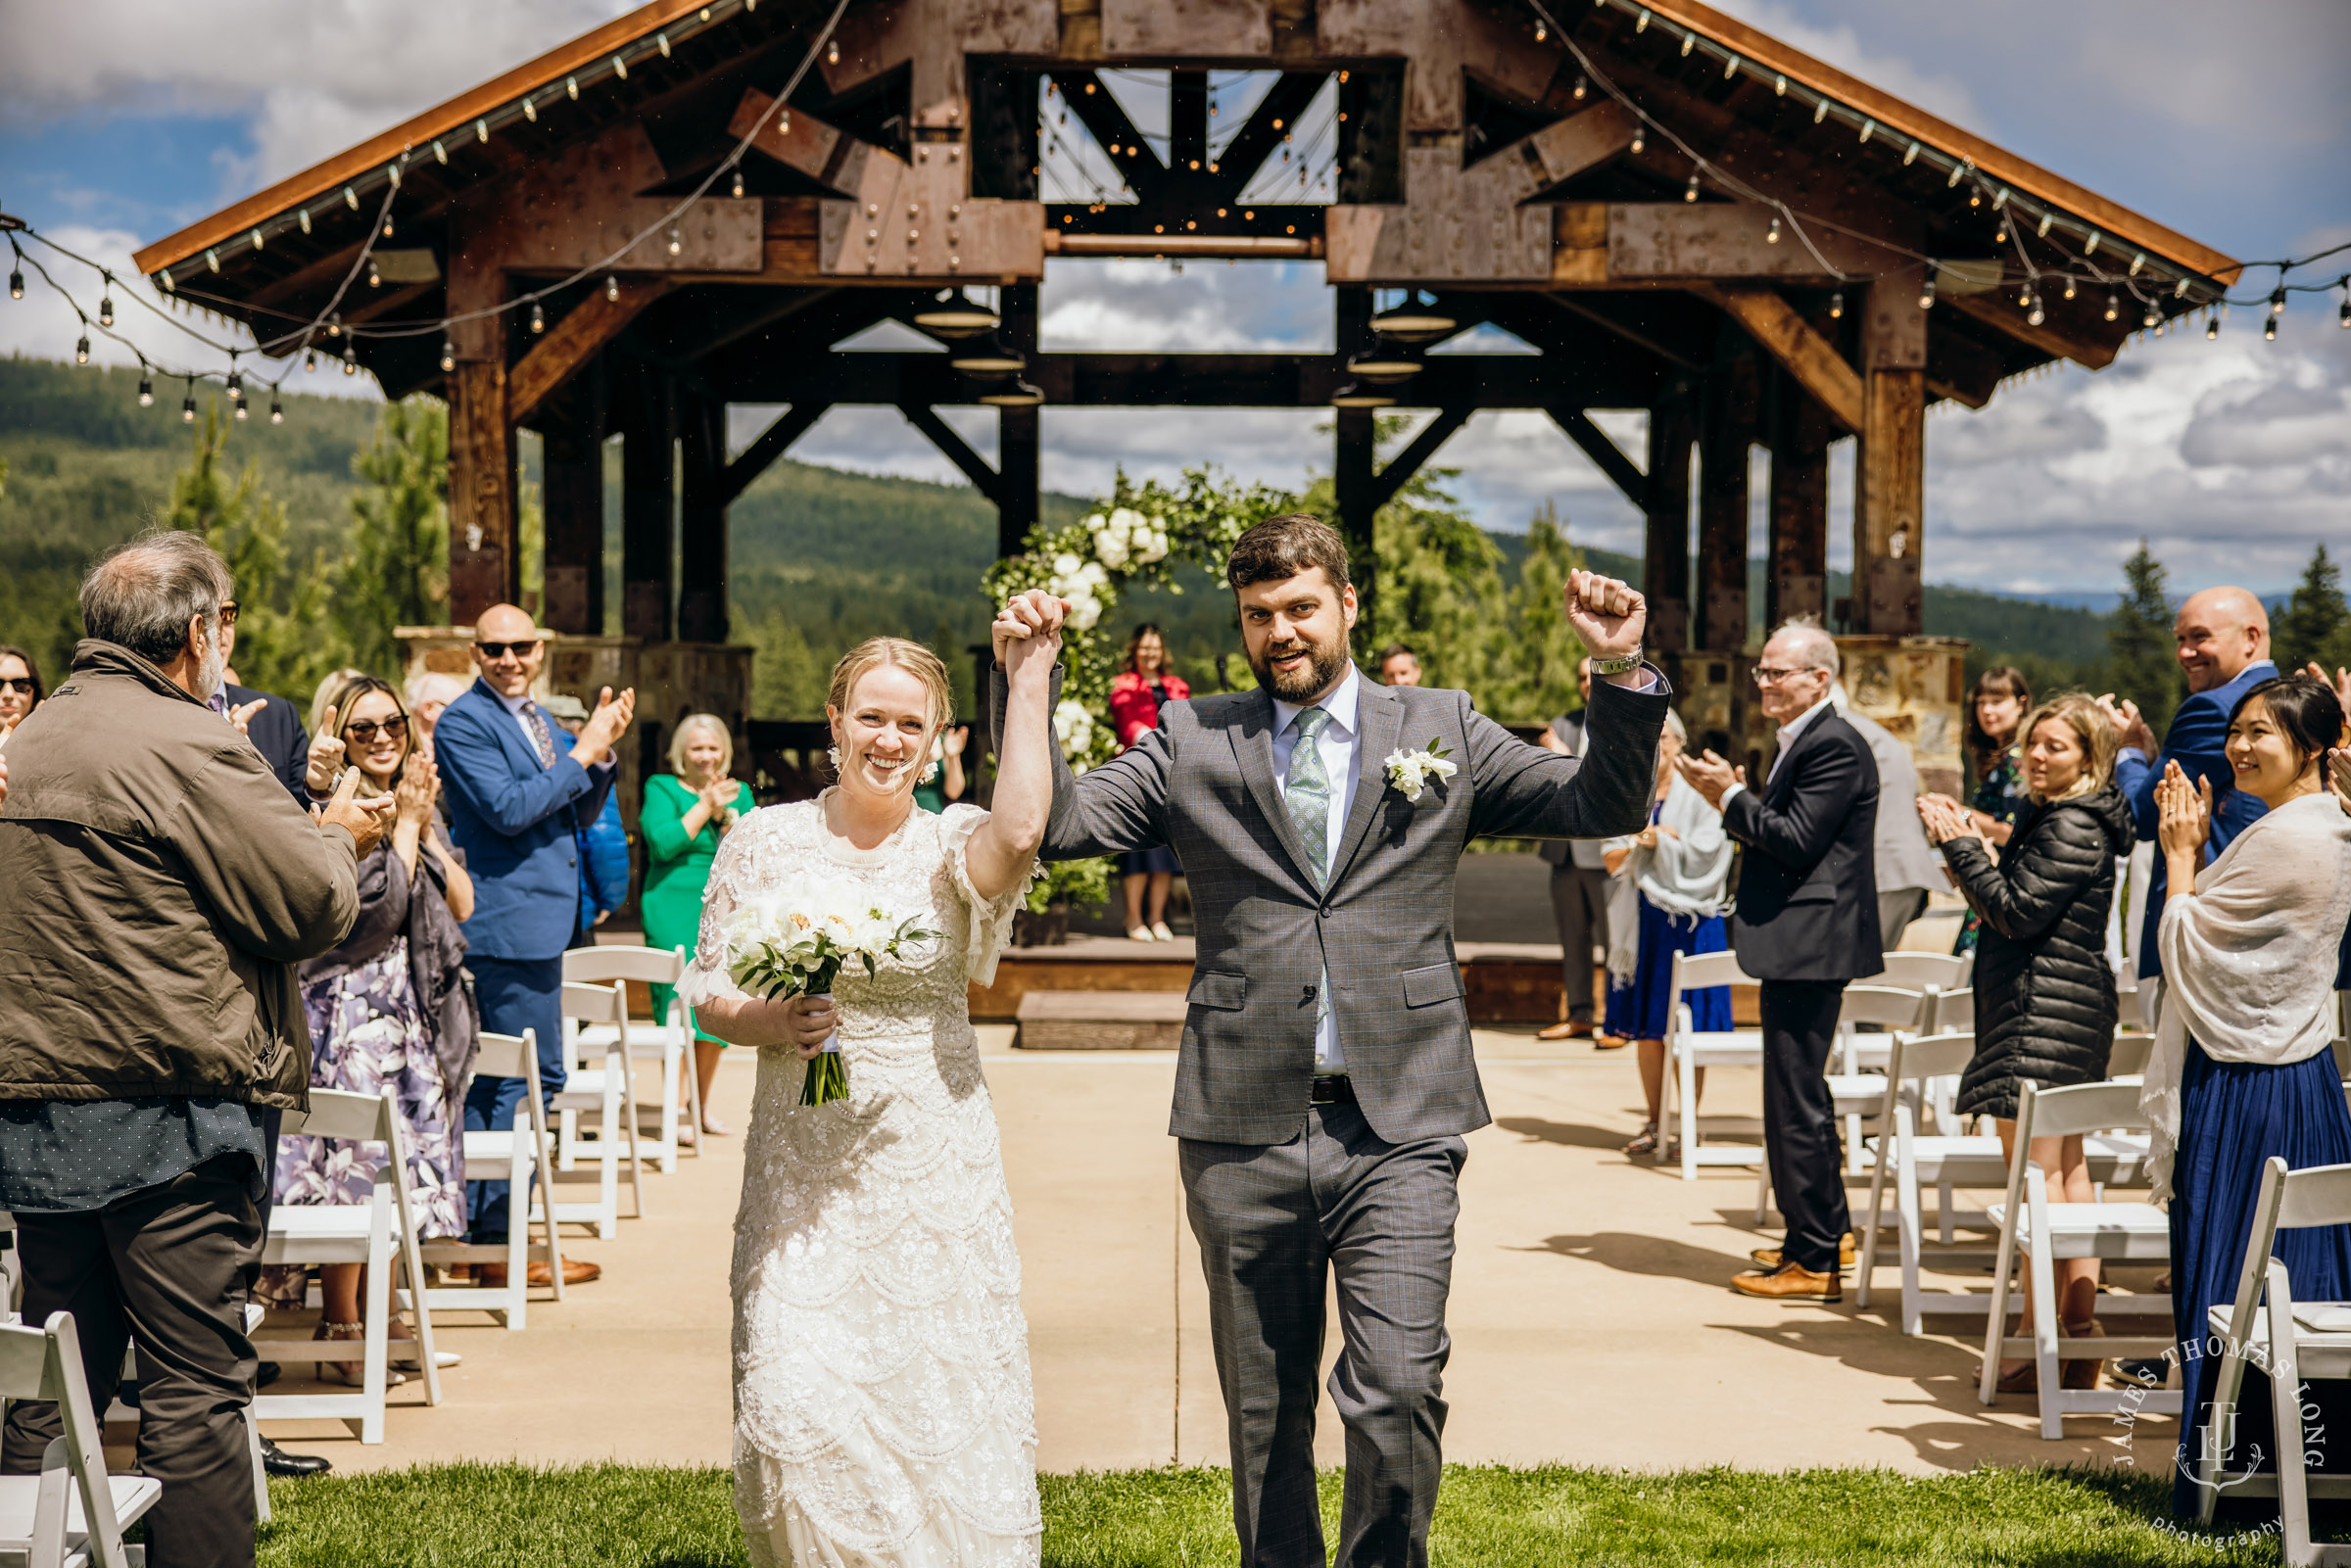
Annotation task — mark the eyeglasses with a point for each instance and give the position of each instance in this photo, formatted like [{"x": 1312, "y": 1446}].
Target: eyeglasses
[
  {"x": 364, "y": 730},
  {"x": 1765, "y": 675},
  {"x": 228, "y": 612},
  {"x": 499, "y": 651},
  {"x": 22, "y": 685}
]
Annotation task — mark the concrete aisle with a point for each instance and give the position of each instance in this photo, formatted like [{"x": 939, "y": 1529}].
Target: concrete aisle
[{"x": 1590, "y": 1316}]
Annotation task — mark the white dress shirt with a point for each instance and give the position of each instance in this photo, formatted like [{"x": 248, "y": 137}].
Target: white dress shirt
[
  {"x": 1341, "y": 765},
  {"x": 515, "y": 705},
  {"x": 1788, "y": 732}
]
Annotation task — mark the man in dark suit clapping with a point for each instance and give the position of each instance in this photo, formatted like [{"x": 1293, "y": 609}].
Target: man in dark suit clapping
[{"x": 1807, "y": 924}]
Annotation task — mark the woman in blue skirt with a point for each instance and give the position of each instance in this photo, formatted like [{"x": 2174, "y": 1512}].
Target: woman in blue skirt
[
  {"x": 1670, "y": 891},
  {"x": 2241, "y": 1071}
]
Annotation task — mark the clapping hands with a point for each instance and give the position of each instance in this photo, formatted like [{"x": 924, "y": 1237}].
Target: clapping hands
[
  {"x": 2182, "y": 813},
  {"x": 1710, "y": 774},
  {"x": 604, "y": 727},
  {"x": 2129, "y": 729},
  {"x": 1945, "y": 819}
]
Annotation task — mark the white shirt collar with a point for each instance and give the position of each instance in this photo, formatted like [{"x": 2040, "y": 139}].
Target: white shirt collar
[
  {"x": 1342, "y": 704},
  {"x": 514, "y": 705},
  {"x": 1797, "y": 726}
]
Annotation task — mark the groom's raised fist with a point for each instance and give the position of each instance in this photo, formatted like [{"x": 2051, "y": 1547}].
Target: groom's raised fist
[
  {"x": 1607, "y": 615},
  {"x": 1034, "y": 614}
]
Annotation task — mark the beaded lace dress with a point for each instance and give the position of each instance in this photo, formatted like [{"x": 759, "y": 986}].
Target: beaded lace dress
[{"x": 884, "y": 1416}]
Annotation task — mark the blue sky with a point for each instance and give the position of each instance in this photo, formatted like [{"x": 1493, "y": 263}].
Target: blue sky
[{"x": 121, "y": 119}]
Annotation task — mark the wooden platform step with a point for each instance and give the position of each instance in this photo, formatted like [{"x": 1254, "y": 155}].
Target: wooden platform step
[{"x": 1100, "y": 1020}]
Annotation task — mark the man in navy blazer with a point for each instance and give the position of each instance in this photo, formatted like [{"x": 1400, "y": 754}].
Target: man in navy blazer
[
  {"x": 520, "y": 789},
  {"x": 1807, "y": 925},
  {"x": 2223, "y": 637}
]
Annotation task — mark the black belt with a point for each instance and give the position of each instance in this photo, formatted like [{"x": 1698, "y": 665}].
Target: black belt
[{"x": 1331, "y": 1088}]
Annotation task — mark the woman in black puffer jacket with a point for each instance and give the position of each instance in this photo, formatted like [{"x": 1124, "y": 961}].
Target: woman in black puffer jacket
[{"x": 2045, "y": 992}]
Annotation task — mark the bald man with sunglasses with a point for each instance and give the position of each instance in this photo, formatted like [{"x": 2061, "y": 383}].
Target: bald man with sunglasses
[{"x": 519, "y": 788}]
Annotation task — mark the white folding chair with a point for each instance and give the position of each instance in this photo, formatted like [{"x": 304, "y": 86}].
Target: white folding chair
[
  {"x": 524, "y": 1153},
  {"x": 1941, "y": 1161},
  {"x": 1915, "y": 972},
  {"x": 1857, "y": 1093},
  {"x": 2035, "y": 1228},
  {"x": 1687, "y": 1050},
  {"x": 72, "y": 1514},
  {"x": 1954, "y": 1011},
  {"x": 2288, "y": 1343},
  {"x": 377, "y": 1234},
  {"x": 606, "y": 1091},
  {"x": 667, "y": 1040}
]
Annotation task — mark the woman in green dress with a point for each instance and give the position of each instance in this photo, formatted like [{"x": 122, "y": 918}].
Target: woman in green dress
[
  {"x": 686, "y": 812},
  {"x": 1994, "y": 708}
]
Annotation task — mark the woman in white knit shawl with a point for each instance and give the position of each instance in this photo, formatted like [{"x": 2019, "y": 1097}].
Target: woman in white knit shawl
[
  {"x": 1668, "y": 895},
  {"x": 2241, "y": 1068}
]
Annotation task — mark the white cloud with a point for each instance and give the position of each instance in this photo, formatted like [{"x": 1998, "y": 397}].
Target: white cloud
[{"x": 1841, "y": 46}]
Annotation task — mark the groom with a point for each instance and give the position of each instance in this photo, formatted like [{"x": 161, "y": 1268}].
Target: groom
[{"x": 1325, "y": 1077}]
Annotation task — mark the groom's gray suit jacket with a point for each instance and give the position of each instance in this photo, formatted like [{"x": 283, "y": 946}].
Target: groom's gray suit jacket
[{"x": 1203, "y": 783}]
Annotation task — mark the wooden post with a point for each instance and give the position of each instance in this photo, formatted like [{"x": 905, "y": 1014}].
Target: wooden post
[
  {"x": 702, "y": 520},
  {"x": 1666, "y": 552},
  {"x": 485, "y": 555},
  {"x": 1796, "y": 581},
  {"x": 1889, "y": 486},
  {"x": 574, "y": 456},
  {"x": 648, "y": 504},
  {"x": 1353, "y": 483},
  {"x": 1019, "y": 431},
  {"x": 1729, "y": 430}
]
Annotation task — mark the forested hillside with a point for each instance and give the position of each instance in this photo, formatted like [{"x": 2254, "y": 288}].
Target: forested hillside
[{"x": 822, "y": 558}]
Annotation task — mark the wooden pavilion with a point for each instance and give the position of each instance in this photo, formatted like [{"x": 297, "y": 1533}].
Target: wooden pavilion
[{"x": 1682, "y": 214}]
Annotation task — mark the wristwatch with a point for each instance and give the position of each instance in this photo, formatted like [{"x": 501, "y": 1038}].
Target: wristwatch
[{"x": 1630, "y": 661}]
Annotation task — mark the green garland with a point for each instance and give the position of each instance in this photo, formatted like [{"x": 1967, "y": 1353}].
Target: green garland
[{"x": 1137, "y": 539}]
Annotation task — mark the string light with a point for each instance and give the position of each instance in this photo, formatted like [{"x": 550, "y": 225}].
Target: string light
[
  {"x": 2152, "y": 317},
  {"x": 16, "y": 285},
  {"x": 351, "y": 361},
  {"x": 236, "y": 381},
  {"x": 2268, "y": 330},
  {"x": 449, "y": 354},
  {"x": 277, "y": 409},
  {"x": 187, "y": 404},
  {"x": 1541, "y": 32},
  {"x": 2342, "y": 315},
  {"x": 611, "y": 289},
  {"x": 675, "y": 243},
  {"x": 832, "y": 52},
  {"x": 1772, "y": 236},
  {"x": 2212, "y": 327},
  {"x": 375, "y": 278},
  {"x": 1690, "y": 191},
  {"x": 309, "y": 360},
  {"x": 2114, "y": 305},
  {"x": 739, "y": 182},
  {"x": 1640, "y": 134},
  {"x": 2277, "y": 302},
  {"x": 2069, "y": 287},
  {"x": 106, "y": 302},
  {"x": 1926, "y": 292},
  {"x": 146, "y": 387},
  {"x": 537, "y": 319},
  {"x": 81, "y": 347},
  {"x": 1837, "y": 306}
]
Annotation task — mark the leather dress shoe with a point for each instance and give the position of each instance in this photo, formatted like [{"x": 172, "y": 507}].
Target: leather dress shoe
[
  {"x": 1770, "y": 1257},
  {"x": 1790, "y": 1282},
  {"x": 1573, "y": 1030},
  {"x": 277, "y": 1461},
  {"x": 576, "y": 1272}
]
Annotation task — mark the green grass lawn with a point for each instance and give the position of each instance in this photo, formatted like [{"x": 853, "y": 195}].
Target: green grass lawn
[{"x": 493, "y": 1516}]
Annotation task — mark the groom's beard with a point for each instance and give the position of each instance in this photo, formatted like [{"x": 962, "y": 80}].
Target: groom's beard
[{"x": 1323, "y": 663}]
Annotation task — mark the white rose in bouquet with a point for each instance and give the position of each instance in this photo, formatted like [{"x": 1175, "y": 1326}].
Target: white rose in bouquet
[{"x": 793, "y": 941}]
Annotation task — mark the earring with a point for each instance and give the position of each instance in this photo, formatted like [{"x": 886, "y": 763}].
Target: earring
[{"x": 931, "y": 773}]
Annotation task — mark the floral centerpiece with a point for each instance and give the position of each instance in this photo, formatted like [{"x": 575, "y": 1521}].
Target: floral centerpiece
[{"x": 793, "y": 941}]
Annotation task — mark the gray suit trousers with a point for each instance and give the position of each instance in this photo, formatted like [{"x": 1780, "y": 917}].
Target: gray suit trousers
[
  {"x": 1579, "y": 902},
  {"x": 1273, "y": 1222}
]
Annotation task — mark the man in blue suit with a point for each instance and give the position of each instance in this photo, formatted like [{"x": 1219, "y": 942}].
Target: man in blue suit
[
  {"x": 520, "y": 789},
  {"x": 2222, "y": 635}
]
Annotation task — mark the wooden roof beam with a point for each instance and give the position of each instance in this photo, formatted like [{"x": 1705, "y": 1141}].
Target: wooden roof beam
[
  {"x": 1995, "y": 311},
  {"x": 772, "y": 443},
  {"x": 573, "y": 341},
  {"x": 954, "y": 449},
  {"x": 1107, "y": 124},
  {"x": 1605, "y": 454},
  {"x": 1802, "y": 353},
  {"x": 1409, "y": 461}
]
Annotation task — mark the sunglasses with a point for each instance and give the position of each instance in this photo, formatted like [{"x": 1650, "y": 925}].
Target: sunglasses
[
  {"x": 364, "y": 730},
  {"x": 228, "y": 612},
  {"x": 499, "y": 651},
  {"x": 22, "y": 684}
]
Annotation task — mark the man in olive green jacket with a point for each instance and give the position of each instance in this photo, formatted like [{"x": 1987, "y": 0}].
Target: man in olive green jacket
[{"x": 157, "y": 888}]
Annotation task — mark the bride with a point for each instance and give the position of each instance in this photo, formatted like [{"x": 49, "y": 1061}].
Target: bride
[{"x": 882, "y": 1410}]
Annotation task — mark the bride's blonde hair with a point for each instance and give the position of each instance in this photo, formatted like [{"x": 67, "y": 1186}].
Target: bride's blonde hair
[{"x": 874, "y": 653}]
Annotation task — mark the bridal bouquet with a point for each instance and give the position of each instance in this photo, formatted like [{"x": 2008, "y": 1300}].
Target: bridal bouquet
[{"x": 793, "y": 941}]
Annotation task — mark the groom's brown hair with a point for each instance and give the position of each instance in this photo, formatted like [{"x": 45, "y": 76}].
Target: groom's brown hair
[{"x": 1285, "y": 545}]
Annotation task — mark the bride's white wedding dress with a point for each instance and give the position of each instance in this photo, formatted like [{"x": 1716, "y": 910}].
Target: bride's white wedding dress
[{"x": 882, "y": 1410}]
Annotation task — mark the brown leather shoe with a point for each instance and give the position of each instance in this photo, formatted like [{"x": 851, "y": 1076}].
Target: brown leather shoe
[
  {"x": 1790, "y": 1282},
  {"x": 576, "y": 1272},
  {"x": 1846, "y": 1252},
  {"x": 2081, "y": 1373},
  {"x": 1573, "y": 1030}
]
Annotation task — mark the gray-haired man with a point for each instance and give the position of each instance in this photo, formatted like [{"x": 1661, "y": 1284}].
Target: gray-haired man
[
  {"x": 1325, "y": 1078},
  {"x": 157, "y": 886}
]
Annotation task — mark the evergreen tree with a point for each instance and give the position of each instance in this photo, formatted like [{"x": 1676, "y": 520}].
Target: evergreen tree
[
  {"x": 287, "y": 642},
  {"x": 2315, "y": 628},
  {"x": 397, "y": 571},
  {"x": 1534, "y": 675},
  {"x": 788, "y": 678},
  {"x": 2142, "y": 662}
]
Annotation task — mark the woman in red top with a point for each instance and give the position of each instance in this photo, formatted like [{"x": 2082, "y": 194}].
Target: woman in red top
[{"x": 1135, "y": 694}]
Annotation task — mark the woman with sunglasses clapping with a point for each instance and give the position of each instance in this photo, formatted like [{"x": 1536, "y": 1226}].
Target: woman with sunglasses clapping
[
  {"x": 21, "y": 690},
  {"x": 386, "y": 1008}
]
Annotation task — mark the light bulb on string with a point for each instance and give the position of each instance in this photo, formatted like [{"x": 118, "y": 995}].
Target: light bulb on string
[
  {"x": 351, "y": 361},
  {"x": 2212, "y": 327},
  {"x": 832, "y": 52},
  {"x": 2277, "y": 302},
  {"x": 1639, "y": 140},
  {"x": 739, "y": 182},
  {"x": 2269, "y": 329},
  {"x": 2001, "y": 235},
  {"x": 2152, "y": 319},
  {"x": 2033, "y": 314},
  {"x": 16, "y": 285},
  {"x": 2114, "y": 305},
  {"x": 449, "y": 354},
  {"x": 146, "y": 387},
  {"x": 309, "y": 360},
  {"x": 106, "y": 302},
  {"x": 334, "y": 325},
  {"x": 2342, "y": 315},
  {"x": 1690, "y": 191},
  {"x": 1541, "y": 32},
  {"x": 1581, "y": 87},
  {"x": 375, "y": 279},
  {"x": 387, "y": 223},
  {"x": 1837, "y": 306},
  {"x": 81, "y": 349},
  {"x": 187, "y": 404},
  {"x": 676, "y": 241},
  {"x": 611, "y": 289},
  {"x": 2069, "y": 288},
  {"x": 236, "y": 381},
  {"x": 239, "y": 414},
  {"x": 277, "y": 409},
  {"x": 1772, "y": 235},
  {"x": 1926, "y": 292},
  {"x": 537, "y": 319}
]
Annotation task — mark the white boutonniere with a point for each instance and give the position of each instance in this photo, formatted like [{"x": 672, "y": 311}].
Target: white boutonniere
[{"x": 1411, "y": 771}]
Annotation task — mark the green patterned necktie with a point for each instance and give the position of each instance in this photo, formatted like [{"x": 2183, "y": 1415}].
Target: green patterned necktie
[{"x": 1307, "y": 797}]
